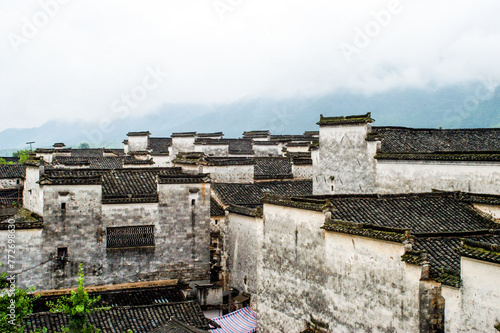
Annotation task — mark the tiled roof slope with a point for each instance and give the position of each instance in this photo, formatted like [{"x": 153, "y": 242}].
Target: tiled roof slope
[
  {"x": 24, "y": 219},
  {"x": 90, "y": 162},
  {"x": 256, "y": 134},
  {"x": 124, "y": 297},
  {"x": 481, "y": 249},
  {"x": 410, "y": 140},
  {"x": 441, "y": 251},
  {"x": 355, "y": 119},
  {"x": 216, "y": 209},
  {"x": 250, "y": 194},
  {"x": 272, "y": 168},
  {"x": 90, "y": 152},
  {"x": 176, "y": 326},
  {"x": 240, "y": 146},
  {"x": 12, "y": 171},
  {"x": 120, "y": 185},
  {"x": 488, "y": 199},
  {"x": 421, "y": 213},
  {"x": 160, "y": 145},
  {"x": 140, "y": 319}
]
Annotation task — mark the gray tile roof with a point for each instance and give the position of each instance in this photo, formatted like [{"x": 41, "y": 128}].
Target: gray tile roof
[
  {"x": 411, "y": 140},
  {"x": 421, "y": 213},
  {"x": 436, "y": 223},
  {"x": 118, "y": 185},
  {"x": 176, "y": 326},
  {"x": 256, "y": 134},
  {"x": 240, "y": 146},
  {"x": 23, "y": 218},
  {"x": 90, "y": 162},
  {"x": 160, "y": 145},
  {"x": 272, "y": 168},
  {"x": 12, "y": 171},
  {"x": 215, "y": 208},
  {"x": 140, "y": 319},
  {"x": 124, "y": 297},
  {"x": 140, "y": 133},
  {"x": 355, "y": 119},
  {"x": 442, "y": 254},
  {"x": 250, "y": 194}
]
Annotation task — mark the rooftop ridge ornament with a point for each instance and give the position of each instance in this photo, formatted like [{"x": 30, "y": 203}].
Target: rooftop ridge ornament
[{"x": 342, "y": 120}]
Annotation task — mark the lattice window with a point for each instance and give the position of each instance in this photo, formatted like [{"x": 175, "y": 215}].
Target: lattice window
[{"x": 136, "y": 236}]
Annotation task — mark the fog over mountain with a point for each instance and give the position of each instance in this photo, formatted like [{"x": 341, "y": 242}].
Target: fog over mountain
[
  {"x": 463, "y": 106},
  {"x": 167, "y": 65}
]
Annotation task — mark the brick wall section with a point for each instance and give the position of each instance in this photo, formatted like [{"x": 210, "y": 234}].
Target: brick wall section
[{"x": 181, "y": 227}]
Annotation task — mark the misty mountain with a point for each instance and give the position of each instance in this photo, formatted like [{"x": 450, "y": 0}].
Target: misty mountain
[{"x": 471, "y": 105}]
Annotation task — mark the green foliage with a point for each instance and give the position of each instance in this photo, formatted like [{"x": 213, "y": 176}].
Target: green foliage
[
  {"x": 77, "y": 306},
  {"x": 84, "y": 145},
  {"x": 23, "y": 155},
  {"x": 15, "y": 305},
  {"x": 3, "y": 161}
]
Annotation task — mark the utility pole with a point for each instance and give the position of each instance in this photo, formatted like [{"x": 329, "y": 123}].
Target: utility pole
[{"x": 30, "y": 143}]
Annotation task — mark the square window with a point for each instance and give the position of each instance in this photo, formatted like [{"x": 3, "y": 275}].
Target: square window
[{"x": 62, "y": 253}]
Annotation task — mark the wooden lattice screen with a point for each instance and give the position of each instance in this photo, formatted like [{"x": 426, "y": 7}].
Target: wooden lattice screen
[{"x": 136, "y": 236}]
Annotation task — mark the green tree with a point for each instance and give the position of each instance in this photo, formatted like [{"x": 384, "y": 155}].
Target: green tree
[
  {"x": 84, "y": 145},
  {"x": 77, "y": 306},
  {"x": 22, "y": 154},
  {"x": 15, "y": 305}
]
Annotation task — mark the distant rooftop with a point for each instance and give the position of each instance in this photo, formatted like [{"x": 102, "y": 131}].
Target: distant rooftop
[
  {"x": 356, "y": 119},
  {"x": 141, "y": 133}
]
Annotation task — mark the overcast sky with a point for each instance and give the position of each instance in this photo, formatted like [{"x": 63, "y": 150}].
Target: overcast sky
[{"x": 87, "y": 59}]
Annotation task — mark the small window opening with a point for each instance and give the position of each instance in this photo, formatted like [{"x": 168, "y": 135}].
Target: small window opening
[
  {"x": 216, "y": 221},
  {"x": 18, "y": 182},
  {"x": 193, "y": 202},
  {"x": 62, "y": 253},
  {"x": 63, "y": 206},
  {"x": 332, "y": 188}
]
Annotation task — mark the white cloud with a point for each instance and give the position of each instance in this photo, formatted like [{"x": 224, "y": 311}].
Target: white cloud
[{"x": 90, "y": 53}]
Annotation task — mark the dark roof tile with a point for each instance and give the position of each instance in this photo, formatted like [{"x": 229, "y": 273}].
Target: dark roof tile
[
  {"x": 140, "y": 319},
  {"x": 356, "y": 119},
  {"x": 215, "y": 208},
  {"x": 272, "y": 168},
  {"x": 160, "y": 145},
  {"x": 250, "y": 194},
  {"x": 12, "y": 171},
  {"x": 240, "y": 146},
  {"x": 411, "y": 140},
  {"x": 421, "y": 212}
]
